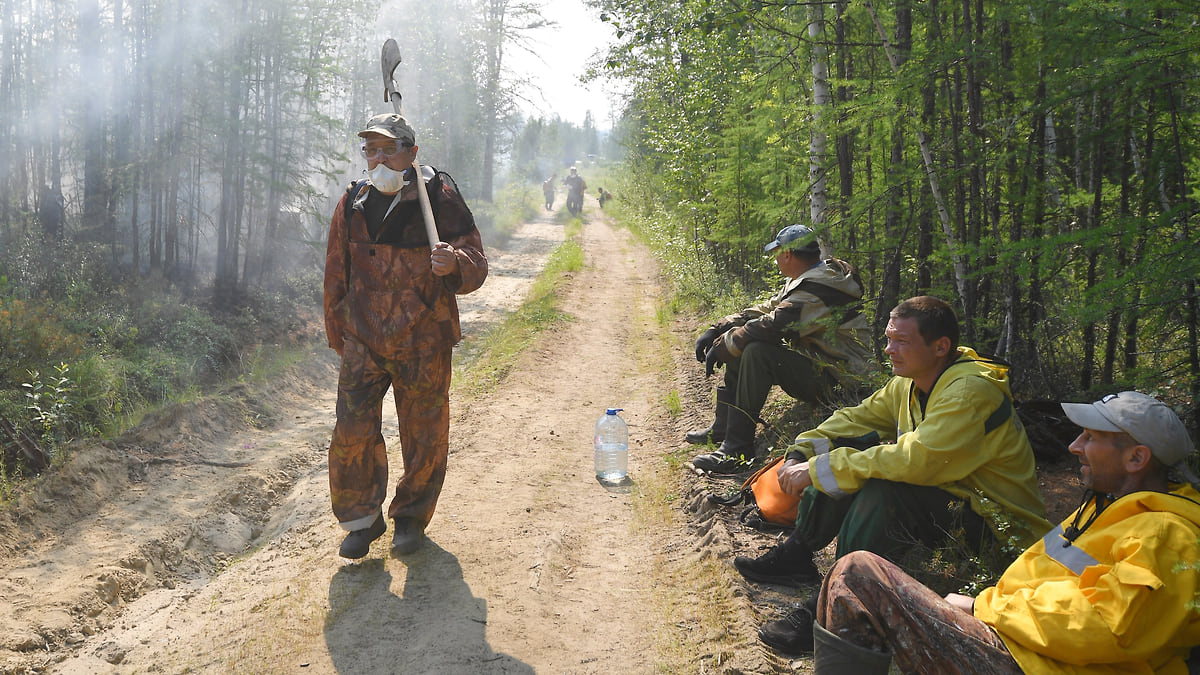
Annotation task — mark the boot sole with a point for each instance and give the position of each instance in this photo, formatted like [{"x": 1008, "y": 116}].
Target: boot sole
[
  {"x": 786, "y": 647},
  {"x": 793, "y": 580}
]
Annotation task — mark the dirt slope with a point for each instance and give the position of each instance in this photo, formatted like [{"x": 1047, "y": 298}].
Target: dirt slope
[{"x": 204, "y": 542}]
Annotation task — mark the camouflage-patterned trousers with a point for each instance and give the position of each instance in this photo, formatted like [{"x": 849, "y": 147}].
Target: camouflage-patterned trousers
[
  {"x": 872, "y": 603},
  {"x": 358, "y": 466}
]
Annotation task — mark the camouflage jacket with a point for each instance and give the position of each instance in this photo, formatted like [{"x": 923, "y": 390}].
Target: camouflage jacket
[
  {"x": 816, "y": 314},
  {"x": 379, "y": 284}
]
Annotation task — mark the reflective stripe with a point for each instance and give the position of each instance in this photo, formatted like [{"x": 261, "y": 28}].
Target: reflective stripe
[
  {"x": 1068, "y": 555},
  {"x": 821, "y": 446},
  {"x": 825, "y": 476}
]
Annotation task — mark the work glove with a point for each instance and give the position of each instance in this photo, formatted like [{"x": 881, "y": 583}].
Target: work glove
[
  {"x": 717, "y": 354},
  {"x": 704, "y": 342}
]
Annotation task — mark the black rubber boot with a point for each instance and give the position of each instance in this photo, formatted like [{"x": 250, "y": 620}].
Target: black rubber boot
[
  {"x": 407, "y": 536},
  {"x": 836, "y": 656},
  {"x": 358, "y": 543},
  {"x": 736, "y": 453},
  {"x": 788, "y": 563},
  {"x": 715, "y": 433},
  {"x": 793, "y": 634}
]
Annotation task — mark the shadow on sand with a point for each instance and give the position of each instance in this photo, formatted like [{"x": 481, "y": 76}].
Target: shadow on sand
[{"x": 435, "y": 625}]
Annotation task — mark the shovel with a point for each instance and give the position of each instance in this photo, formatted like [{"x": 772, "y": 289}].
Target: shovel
[{"x": 389, "y": 59}]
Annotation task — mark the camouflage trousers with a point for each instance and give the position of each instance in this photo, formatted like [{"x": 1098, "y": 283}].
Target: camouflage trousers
[
  {"x": 358, "y": 465},
  {"x": 872, "y": 603}
]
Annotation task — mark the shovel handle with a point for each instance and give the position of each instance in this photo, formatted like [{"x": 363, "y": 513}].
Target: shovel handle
[
  {"x": 426, "y": 208},
  {"x": 389, "y": 59}
]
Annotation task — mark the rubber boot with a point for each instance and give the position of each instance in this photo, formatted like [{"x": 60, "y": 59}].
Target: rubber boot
[
  {"x": 788, "y": 563},
  {"x": 736, "y": 453},
  {"x": 834, "y": 656},
  {"x": 715, "y": 433}
]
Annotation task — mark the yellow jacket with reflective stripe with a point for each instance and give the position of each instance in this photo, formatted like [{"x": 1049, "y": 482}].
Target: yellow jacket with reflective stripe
[
  {"x": 966, "y": 440},
  {"x": 1115, "y": 600}
]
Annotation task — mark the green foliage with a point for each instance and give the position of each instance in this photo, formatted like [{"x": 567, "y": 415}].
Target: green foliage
[
  {"x": 49, "y": 404},
  {"x": 548, "y": 148},
  {"x": 673, "y": 404},
  {"x": 1065, "y": 165},
  {"x": 696, "y": 284},
  {"x": 128, "y": 348},
  {"x": 1191, "y": 567}
]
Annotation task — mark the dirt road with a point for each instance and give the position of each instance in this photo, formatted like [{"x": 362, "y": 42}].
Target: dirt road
[{"x": 204, "y": 542}]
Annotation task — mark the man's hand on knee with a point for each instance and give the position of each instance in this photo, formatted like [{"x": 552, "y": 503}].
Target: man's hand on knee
[
  {"x": 718, "y": 353},
  {"x": 705, "y": 341},
  {"x": 793, "y": 477}
]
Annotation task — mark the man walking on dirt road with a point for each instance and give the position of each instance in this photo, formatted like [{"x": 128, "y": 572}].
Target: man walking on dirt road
[
  {"x": 548, "y": 192},
  {"x": 807, "y": 338},
  {"x": 575, "y": 187},
  {"x": 391, "y": 314},
  {"x": 938, "y": 450}
]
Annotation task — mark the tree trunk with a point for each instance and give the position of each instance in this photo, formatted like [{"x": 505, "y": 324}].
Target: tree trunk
[
  {"x": 904, "y": 40},
  {"x": 821, "y": 103},
  {"x": 95, "y": 167},
  {"x": 494, "y": 58},
  {"x": 844, "y": 141}
]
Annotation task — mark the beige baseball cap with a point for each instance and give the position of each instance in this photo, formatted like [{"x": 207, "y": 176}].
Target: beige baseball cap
[{"x": 1151, "y": 422}]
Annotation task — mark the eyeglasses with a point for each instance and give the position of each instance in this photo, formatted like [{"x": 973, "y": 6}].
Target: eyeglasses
[{"x": 388, "y": 149}]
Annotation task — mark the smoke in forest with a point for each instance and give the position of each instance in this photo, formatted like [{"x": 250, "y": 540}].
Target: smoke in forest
[{"x": 207, "y": 142}]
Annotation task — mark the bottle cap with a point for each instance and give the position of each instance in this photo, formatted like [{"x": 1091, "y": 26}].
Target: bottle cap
[{"x": 613, "y": 411}]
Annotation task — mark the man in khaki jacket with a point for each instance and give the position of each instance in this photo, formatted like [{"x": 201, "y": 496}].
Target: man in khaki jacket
[{"x": 807, "y": 338}]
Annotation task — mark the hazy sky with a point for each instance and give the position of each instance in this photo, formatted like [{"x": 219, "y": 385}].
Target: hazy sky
[{"x": 563, "y": 51}]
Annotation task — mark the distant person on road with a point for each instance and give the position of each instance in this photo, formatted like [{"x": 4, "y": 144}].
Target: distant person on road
[
  {"x": 575, "y": 187},
  {"x": 548, "y": 192},
  {"x": 602, "y": 196},
  {"x": 392, "y": 315},
  {"x": 807, "y": 338},
  {"x": 1107, "y": 591},
  {"x": 938, "y": 450}
]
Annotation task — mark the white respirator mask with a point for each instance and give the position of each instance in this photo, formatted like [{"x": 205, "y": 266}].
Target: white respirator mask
[{"x": 386, "y": 179}]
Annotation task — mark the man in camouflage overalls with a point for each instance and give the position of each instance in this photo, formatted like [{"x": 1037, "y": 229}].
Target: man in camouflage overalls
[{"x": 391, "y": 314}]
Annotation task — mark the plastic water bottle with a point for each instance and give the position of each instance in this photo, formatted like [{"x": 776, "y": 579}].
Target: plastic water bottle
[{"x": 612, "y": 448}]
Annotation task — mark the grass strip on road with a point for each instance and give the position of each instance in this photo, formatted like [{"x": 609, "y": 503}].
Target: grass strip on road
[{"x": 482, "y": 362}]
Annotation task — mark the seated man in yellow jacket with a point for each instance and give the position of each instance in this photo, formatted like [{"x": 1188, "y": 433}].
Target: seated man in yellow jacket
[
  {"x": 937, "y": 450},
  {"x": 1110, "y": 590}
]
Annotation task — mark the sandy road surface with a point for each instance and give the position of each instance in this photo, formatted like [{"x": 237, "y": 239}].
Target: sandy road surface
[{"x": 204, "y": 543}]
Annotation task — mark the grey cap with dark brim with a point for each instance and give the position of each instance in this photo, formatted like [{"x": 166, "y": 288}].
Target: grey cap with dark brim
[
  {"x": 1148, "y": 420},
  {"x": 794, "y": 237}
]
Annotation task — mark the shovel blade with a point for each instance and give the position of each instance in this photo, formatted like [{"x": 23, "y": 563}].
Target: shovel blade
[{"x": 388, "y": 60}]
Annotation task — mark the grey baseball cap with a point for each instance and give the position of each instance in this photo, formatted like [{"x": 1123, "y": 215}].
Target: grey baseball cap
[
  {"x": 794, "y": 237},
  {"x": 1151, "y": 422},
  {"x": 390, "y": 125}
]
